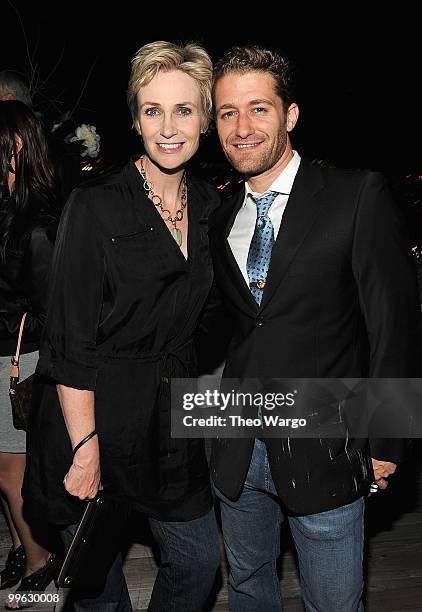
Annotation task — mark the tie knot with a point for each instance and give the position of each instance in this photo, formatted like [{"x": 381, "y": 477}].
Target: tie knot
[{"x": 264, "y": 202}]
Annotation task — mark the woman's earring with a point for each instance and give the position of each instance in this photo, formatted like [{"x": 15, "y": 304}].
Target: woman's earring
[
  {"x": 203, "y": 135},
  {"x": 9, "y": 164}
]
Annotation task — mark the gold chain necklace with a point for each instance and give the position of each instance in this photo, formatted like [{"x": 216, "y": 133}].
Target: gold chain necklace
[{"x": 158, "y": 202}]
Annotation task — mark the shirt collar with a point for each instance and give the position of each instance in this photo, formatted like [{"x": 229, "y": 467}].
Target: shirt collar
[{"x": 284, "y": 182}]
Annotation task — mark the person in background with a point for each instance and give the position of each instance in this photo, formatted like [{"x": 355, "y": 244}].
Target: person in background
[
  {"x": 28, "y": 221},
  {"x": 131, "y": 272},
  {"x": 66, "y": 163},
  {"x": 13, "y": 87},
  {"x": 300, "y": 262}
]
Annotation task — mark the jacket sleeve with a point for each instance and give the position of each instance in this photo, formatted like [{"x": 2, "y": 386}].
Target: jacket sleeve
[
  {"x": 68, "y": 351},
  {"x": 388, "y": 294},
  {"x": 213, "y": 333},
  {"x": 34, "y": 287}
]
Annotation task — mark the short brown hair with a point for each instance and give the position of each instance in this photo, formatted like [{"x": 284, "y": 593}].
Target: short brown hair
[
  {"x": 254, "y": 58},
  {"x": 165, "y": 56}
]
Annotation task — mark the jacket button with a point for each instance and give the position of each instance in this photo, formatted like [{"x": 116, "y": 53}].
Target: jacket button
[{"x": 260, "y": 322}]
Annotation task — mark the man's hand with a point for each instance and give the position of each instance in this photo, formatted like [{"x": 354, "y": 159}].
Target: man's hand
[
  {"x": 382, "y": 470},
  {"x": 83, "y": 478}
]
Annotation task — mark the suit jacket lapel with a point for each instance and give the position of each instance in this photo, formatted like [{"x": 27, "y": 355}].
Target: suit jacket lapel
[
  {"x": 302, "y": 210},
  {"x": 239, "y": 288}
]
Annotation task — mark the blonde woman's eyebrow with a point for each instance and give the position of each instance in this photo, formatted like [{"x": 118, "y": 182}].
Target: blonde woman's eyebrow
[
  {"x": 187, "y": 103},
  {"x": 150, "y": 104}
]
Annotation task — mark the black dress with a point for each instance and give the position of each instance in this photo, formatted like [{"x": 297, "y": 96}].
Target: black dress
[
  {"x": 23, "y": 288},
  {"x": 123, "y": 309},
  {"x": 24, "y": 277}
]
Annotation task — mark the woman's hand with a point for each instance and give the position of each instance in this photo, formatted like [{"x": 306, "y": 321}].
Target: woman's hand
[{"x": 84, "y": 476}]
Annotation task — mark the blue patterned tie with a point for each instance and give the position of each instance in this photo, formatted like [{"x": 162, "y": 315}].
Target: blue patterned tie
[{"x": 261, "y": 246}]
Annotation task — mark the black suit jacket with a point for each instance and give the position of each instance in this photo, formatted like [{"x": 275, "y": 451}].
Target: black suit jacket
[{"x": 340, "y": 301}]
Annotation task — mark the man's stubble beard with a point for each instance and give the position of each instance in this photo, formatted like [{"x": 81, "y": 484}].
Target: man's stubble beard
[{"x": 267, "y": 160}]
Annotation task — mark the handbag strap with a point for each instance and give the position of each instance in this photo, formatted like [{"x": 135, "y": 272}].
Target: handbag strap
[{"x": 14, "y": 371}]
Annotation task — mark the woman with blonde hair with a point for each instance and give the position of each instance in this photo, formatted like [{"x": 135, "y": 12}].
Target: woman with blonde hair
[{"x": 131, "y": 273}]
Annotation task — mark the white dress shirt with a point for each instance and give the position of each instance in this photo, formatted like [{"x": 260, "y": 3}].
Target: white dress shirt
[{"x": 244, "y": 225}]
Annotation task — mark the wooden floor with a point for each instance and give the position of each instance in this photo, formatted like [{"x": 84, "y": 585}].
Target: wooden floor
[{"x": 393, "y": 554}]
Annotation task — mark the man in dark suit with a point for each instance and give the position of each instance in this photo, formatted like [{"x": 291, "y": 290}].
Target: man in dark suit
[{"x": 313, "y": 265}]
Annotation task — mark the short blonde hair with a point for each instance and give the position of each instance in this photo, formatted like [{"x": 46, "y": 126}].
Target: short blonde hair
[{"x": 165, "y": 56}]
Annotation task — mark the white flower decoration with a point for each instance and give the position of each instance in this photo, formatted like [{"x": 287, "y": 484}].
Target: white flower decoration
[{"x": 90, "y": 139}]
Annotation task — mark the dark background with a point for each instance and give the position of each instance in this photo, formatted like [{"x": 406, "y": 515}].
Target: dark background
[{"x": 358, "y": 77}]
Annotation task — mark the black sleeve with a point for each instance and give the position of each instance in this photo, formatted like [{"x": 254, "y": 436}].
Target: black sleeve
[
  {"x": 39, "y": 258},
  {"x": 214, "y": 332},
  {"x": 388, "y": 293},
  {"x": 34, "y": 282},
  {"x": 68, "y": 351}
]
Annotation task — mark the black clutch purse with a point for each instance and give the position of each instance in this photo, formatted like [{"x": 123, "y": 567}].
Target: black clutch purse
[
  {"x": 95, "y": 544},
  {"x": 20, "y": 393}
]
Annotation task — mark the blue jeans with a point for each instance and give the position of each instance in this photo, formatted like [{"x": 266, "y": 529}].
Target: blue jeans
[
  {"x": 190, "y": 559},
  {"x": 329, "y": 547}
]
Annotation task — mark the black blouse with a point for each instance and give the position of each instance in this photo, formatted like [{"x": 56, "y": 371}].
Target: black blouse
[
  {"x": 123, "y": 309},
  {"x": 24, "y": 279}
]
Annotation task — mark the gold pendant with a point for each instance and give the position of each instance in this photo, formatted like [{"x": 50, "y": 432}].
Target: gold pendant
[{"x": 177, "y": 235}]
